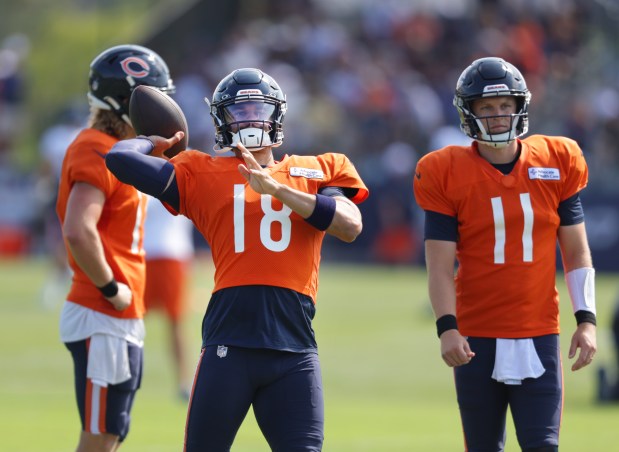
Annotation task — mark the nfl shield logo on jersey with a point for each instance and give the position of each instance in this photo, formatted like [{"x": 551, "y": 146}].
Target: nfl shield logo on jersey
[{"x": 222, "y": 351}]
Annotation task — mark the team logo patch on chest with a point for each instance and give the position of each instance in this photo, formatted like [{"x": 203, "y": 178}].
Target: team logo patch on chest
[
  {"x": 308, "y": 173},
  {"x": 544, "y": 173}
]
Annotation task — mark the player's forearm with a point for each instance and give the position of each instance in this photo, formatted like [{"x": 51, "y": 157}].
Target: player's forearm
[
  {"x": 442, "y": 294},
  {"x": 130, "y": 162},
  {"x": 440, "y": 257},
  {"x": 574, "y": 247},
  {"x": 80, "y": 232},
  {"x": 300, "y": 202},
  {"x": 347, "y": 222},
  {"x": 87, "y": 250}
]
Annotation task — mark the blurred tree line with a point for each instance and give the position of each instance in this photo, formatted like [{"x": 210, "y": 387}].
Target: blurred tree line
[{"x": 64, "y": 36}]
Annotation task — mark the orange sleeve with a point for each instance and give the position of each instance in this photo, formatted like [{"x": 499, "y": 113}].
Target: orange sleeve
[
  {"x": 340, "y": 172},
  {"x": 429, "y": 184},
  {"x": 88, "y": 165},
  {"x": 196, "y": 179},
  {"x": 576, "y": 168}
]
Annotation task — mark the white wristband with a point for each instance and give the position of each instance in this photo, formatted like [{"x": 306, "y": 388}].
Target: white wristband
[{"x": 581, "y": 286}]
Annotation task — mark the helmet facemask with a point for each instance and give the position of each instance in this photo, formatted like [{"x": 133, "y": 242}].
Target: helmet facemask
[
  {"x": 248, "y": 107},
  {"x": 478, "y": 127},
  {"x": 253, "y": 120}
]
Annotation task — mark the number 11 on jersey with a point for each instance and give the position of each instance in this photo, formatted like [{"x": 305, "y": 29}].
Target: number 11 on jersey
[{"x": 499, "y": 229}]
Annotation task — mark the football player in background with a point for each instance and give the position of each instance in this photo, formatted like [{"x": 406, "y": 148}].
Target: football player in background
[
  {"x": 169, "y": 248},
  {"x": 497, "y": 208},
  {"x": 265, "y": 221},
  {"x": 102, "y": 223}
]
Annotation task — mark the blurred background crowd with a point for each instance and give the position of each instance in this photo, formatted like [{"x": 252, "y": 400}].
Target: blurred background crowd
[{"x": 373, "y": 80}]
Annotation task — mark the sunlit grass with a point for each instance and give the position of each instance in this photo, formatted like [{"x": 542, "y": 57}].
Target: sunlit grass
[{"x": 386, "y": 388}]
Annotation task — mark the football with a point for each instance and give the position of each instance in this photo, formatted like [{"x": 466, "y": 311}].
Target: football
[{"x": 153, "y": 112}]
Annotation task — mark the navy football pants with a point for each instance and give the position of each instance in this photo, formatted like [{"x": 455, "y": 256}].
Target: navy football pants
[
  {"x": 535, "y": 405},
  {"x": 284, "y": 388},
  {"x": 105, "y": 410}
]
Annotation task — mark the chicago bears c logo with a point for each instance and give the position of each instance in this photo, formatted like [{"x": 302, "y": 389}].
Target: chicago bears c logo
[{"x": 135, "y": 67}]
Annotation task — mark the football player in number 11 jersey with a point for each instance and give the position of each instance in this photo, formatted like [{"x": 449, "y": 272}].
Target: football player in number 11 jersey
[{"x": 498, "y": 208}]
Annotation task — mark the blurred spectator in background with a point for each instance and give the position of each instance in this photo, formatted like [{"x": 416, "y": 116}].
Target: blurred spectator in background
[
  {"x": 16, "y": 188},
  {"x": 190, "y": 89},
  {"x": 13, "y": 51},
  {"x": 52, "y": 147},
  {"x": 363, "y": 79},
  {"x": 397, "y": 240},
  {"x": 168, "y": 243},
  {"x": 363, "y": 76}
]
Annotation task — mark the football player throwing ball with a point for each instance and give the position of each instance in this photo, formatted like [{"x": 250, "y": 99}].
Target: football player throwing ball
[{"x": 265, "y": 220}]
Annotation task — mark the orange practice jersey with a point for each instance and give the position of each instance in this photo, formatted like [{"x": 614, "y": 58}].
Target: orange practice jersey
[
  {"x": 120, "y": 226},
  {"x": 255, "y": 239},
  {"x": 507, "y": 231}
]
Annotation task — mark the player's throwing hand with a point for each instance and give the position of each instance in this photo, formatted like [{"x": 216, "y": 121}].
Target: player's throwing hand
[{"x": 259, "y": 178}]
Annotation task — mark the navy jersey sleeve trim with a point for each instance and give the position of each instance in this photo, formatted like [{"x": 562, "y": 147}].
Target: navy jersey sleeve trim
[
  {"x": 349, "y": 193},
  {"x": 439, "y": 226},
  {"x": 570, "y": 211}
]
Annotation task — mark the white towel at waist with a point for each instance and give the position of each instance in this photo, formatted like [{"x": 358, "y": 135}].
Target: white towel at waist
[
  {"x": 108, "y": 360},
  {"x": 515, "y": 360}
]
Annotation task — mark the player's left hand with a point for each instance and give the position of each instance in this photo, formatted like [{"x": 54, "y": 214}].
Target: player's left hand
[
  {"x": 259, "y": 178},
  {"x": 584, "y": 338}
]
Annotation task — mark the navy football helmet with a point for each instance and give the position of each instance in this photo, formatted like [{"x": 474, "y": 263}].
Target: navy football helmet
[
  {"x": 487, "y": 77},
  {"x": 116, "y": 72},
  {"x": 248, "y": 106}
]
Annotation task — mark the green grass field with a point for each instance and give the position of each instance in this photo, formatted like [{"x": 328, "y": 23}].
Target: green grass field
[{"x": 386, "y": 387}]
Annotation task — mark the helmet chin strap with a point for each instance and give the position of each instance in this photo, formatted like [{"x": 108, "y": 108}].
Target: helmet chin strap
[{"x": 495, "y": 144}]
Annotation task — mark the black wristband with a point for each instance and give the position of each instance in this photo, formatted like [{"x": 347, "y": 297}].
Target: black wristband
[
  {"x": 110, "y": 289},
  {"x": 446, "y": 322},
  {"x": 583, "y": 316},
  {"x": 323, "y": 213}
]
